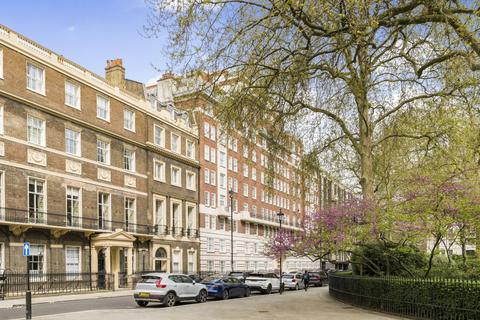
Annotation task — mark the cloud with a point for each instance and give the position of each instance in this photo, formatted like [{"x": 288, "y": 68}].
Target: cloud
[{"x": 71, "y": 29}]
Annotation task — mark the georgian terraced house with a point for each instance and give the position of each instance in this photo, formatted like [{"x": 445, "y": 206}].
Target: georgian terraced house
[
  {"x": 92, "y": 174},
  {"x": 228, "y": 163}
]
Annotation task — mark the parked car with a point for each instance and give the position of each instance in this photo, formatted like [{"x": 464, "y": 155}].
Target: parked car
[
  {"x": 196, "y": 277},
  {"x": 318, "y": 279},
  {"x": 226, "y": 287},
  {"x": 263, "y": 282},
  {"x": 293, "y": 281},
  {"x": 168, "y": 289}
]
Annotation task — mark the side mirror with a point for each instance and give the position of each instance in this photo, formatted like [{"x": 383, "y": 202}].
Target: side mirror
[{"x": 193, "y": 282}]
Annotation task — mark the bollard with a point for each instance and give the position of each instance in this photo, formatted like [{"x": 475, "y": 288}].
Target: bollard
[{"x": 28, "y": 298}]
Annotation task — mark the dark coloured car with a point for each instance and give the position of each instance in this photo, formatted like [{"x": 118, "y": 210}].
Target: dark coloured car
[
  {"x": 318, "y": 279},
  {"x": 195, "y": 277},
  {"x": 226, "y": 287}
]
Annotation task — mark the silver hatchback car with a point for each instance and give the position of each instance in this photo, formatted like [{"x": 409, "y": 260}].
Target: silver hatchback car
[
  {"x": 293, "y": 281},
  {"x": 168, "y": 289}
]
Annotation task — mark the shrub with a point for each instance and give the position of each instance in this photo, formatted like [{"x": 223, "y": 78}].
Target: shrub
[{"x": 390, "y": 259}]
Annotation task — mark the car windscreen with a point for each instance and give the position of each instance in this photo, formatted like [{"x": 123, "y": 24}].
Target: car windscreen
[
  {"x": 257, "y": 275},
  {"x": 150, "y": 279},
  {"x": 288, "y": 276}
]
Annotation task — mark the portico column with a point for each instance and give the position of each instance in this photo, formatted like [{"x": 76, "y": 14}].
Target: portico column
[
  {"x": 129, "y": 264},
  {"x": 94, "y": 261},
  {"x": 108, "y": 267}
]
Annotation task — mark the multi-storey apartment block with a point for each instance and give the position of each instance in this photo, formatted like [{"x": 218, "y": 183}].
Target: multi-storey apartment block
[
  {"x": 94, "y": 175},
  {"x": 257, "y": 183}
]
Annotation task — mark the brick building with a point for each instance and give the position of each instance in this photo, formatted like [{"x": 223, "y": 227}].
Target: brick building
[
  {"x": 94, "y": 175},
  {"x": 245, "y": 167}
]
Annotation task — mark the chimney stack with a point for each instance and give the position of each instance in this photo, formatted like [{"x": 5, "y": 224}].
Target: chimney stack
[{"x": 115, "y": 73}]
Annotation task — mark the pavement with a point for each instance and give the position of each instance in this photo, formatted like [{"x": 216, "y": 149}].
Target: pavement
[
  {"x": 314, "y": 304},
  {"x": 19, "y": 302}
]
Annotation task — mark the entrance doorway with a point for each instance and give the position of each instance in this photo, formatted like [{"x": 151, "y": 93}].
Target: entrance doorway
[{"x": 161, "y": 260}]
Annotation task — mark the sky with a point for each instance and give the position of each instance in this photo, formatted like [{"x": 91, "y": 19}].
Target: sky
[{"x": 89, "y": 32}]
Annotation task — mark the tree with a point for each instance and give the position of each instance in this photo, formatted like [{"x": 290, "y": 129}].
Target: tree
[
  {"x": 327, "y": 232},
  {"x": 333, "y": 72}
]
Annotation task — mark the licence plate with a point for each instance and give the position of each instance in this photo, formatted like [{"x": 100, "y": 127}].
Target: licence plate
[{"x": 144, "y": 294}]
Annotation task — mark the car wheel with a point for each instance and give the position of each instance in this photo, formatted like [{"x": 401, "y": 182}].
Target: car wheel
[
  {"x": 142, "y": 303},
  {"x": 170, "y": 299},
  {"x": 202, "y": 296},
  {"x": 320, "y": 284},
  {"x": 269, "y": 289},
  {"x": 225, "y": 295},
  {"x": 297, "y": 287},
  {"x": 248, "y": 292}
]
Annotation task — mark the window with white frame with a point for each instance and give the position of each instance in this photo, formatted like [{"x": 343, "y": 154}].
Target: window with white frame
[
  {"x": 129, "y": 159},
  {"x": 206, "y": 176},
  {"x": 36, "y": 260},
  {"x": 72, "y": 261},
  {"x": 213, "y": 155},
  {"x": 103, "y": 151},
  {"x": 222, "y": 245},
  {"x": 72, "y": 142},
  {"x": 191, "y": 218},
  {"x": 36, "y": 200},
  {"x": 235, "y": 185},
  {"x": 230, "y": 183},
  {"x": 35, "y": 78},
  {"x": 159, "y": 136},
  {"x": 221, "y": 201},
  {"x": 206, "y": 130},
  {"x": 159, "y": 170},
  {"x": 176, "y": 176},
  {"x": 176, "y": 260},
  {"x": 213, "y": 133},
  {"x": 206, "y": 153},
  {"x": 176, "y": 215},
  {"x": 190, "y": 149},
  {"x": 36, "y": 130},
  {"x": 254, "y": 156},
  {"x": 103, "y": 108},
  {"x": 213, "y": 222},
  {"x": 254, "y": 174},
  {"x": 213, "y": 200},
  {"x": 72, "y": 94},
  {"x": 223, "y": 180},
  {"x": 245, "y": 170},
  {"x": 130, "y": 216},
  {"x": 191, "y": 180},
  {"x": 213, "y": 178},
  {"x": 245, "y": 190},
  {"x": 254, "y": 192},
  {"x": 1, "y": 63},
  {"x": 191, "y": 262},
  {"x": 175, "y": 143},
  {"x": 2, "y": 111},
  {"x": 210, "y": 245},
  {"x": 222, "y": 159},
  {"x": 73, "y": 206},
  {"x": 206, "y": 196},
  {"x": 104, "y": 210},
  {"x": 235, "y": 165},
  {"x": 129, "y": 119},
  {"x": 245, "y": 207}
]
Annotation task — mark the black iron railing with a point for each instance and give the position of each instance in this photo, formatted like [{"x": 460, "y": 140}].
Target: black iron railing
[
  {"x": 55, "y": 283},
  {"x": 431, "y": 298},
  {"x": 65, "y": 220}
]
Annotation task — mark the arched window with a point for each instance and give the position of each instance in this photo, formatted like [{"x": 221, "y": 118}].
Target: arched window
[
  {"x": 160, "y": 260},
  {"x": 161, "y": 254}
]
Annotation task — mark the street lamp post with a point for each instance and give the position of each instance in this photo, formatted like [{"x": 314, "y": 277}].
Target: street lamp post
[
  {"x": 280, "y": 215},
  {"x": 230, "y": 193}
]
